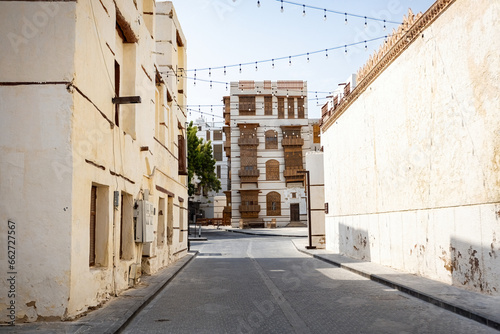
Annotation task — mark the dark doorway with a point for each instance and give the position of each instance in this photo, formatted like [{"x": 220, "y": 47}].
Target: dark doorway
[{"x": 294, "y": 212}]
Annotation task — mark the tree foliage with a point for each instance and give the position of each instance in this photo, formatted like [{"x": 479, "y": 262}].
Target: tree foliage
[{"x": 201, "y": 163}]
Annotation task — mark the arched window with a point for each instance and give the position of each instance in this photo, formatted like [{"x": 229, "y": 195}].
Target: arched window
[
  {"x": 272, "y": 170},
  {"x": 271, "y": 139},
  {"x": 273, "y": 200}
]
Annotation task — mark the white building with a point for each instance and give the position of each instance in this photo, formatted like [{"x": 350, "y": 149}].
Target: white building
[
  {"x": 78, "y": 161},
  {"x": 267, "y": 136},
  {"x": 209, "y": 200},
  {"x": 413, "y": 151}
]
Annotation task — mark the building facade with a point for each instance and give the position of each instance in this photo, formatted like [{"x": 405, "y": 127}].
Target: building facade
[
  {"x": 412, "y": 151},
  {"x": 211, "y": 202},
  {"x": 92, "y": 153},
  {"x": 267, "y": 135}
]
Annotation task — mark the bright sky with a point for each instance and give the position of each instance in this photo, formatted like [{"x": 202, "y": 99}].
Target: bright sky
[{"x": 229, "y": 32}]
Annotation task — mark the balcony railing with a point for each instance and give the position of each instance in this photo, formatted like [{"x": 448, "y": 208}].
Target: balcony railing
[
  {"x": 248, "y": 141},
  {"x": 292, "y": 141},
  {"x": 249, "y": 211},
  {"x": 293, "y": 175},
  {"x": 249, "y": 172}
]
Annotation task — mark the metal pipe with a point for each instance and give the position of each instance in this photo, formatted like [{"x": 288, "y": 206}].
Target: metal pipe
[{"x": 308, "y": 181}]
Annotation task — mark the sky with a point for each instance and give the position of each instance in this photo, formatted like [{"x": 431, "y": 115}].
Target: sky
[{"x": 232, "y": 32}]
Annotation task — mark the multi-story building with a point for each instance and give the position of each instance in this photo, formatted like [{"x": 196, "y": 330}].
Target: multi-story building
[
  {"x": 211, "y": 202},
  {"x": 267, "y": 135},
  {"x": 92, "y": 149}
]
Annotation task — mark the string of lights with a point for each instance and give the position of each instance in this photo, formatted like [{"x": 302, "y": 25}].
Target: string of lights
[
  {"x": 289, "y": 58},
  {"x": 336, "y": 12}
]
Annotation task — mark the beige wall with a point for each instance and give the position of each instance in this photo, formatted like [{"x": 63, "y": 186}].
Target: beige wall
[
  {"x": 411, "y": 167},
  {"x": 59, "y": 139}
]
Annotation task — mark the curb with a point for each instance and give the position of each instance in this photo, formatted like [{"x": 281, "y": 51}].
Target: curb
[
  {"x": 455, "y": 308},
  {"x": 151, "y": 295},
  {"x": 267, "y": 235}
]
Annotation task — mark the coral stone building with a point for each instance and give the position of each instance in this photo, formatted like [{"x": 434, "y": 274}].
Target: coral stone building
[
  {"x": 413, "y": 150},
  {"x": 267, "y": 135},
  {"x": 92, "y": 149}
]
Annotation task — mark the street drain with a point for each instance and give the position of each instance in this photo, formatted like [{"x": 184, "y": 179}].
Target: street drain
[
  {"x": 162, "y": 320},
  {"x": 210, "y": 254}
]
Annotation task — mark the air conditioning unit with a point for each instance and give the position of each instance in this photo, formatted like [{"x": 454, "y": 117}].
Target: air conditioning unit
[{"x": 143, "y": 221}]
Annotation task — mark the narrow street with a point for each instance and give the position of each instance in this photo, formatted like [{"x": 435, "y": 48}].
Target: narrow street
[{"x": 250, "y": 284}]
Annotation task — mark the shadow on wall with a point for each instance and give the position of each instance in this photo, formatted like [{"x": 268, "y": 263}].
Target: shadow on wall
[
  {"x": 474, "y": 267},
  {"x": 354, "y": 242}
]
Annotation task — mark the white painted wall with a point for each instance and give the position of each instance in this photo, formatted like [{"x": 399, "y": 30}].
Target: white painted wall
[
  {"x": 315, "y": 166},
  {"x": 411, "y": 167}
]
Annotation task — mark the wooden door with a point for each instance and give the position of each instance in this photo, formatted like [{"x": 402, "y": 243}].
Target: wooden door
[{"x": 294, "y": 212}]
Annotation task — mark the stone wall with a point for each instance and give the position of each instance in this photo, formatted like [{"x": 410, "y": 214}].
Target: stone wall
[{"x": 412, "y": 165}]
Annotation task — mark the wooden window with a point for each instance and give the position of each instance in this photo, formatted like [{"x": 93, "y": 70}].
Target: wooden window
[
  {"x": 182, "y": 155},
  {"x": 218, "y": 135},
  {"x": 247, "y": 105},
  {"x": 300, "y": 108},
  {"x": 93, "y": 212},
  {"x": 208, "y": 135},
  {"x": 117, "y": 93},
  {"x": 273, "y": 203},
  {"x": 281, "y": 107},
  {"x": 293, "y": 158},
  {"x": 272, "y": 170},
  {"x": 126, "y": 227},
  {"x": 316, "y": 132},
  {"x": 291, "y": 108},
  {"x": 268, "y": 105},
  {"x": 218, "y": 152},
  {"x": 249, "y": 197},
  {"x": 271, "y": 139}
]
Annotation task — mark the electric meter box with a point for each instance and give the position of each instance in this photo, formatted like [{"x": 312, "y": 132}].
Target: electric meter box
[{"x": 143, "y": 219}]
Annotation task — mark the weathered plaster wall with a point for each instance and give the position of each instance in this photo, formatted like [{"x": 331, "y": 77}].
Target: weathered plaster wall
[
  {"x": 315, "y": 166},
  {"x": 34, "y": 102},
  {"x": 412, "y": 166}
]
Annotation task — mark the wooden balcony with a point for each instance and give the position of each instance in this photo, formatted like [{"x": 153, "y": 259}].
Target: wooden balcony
[
  {"x": 292, "y": 141},
  {"x": 249, "y": 211},
  {"x": 293, "y": 175},
  {"x": 249, "y": 176},
  {"x": 254, "y": 141}
]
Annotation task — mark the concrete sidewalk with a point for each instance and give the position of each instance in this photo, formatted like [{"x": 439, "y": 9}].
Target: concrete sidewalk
[
  {"x": 482, "y": 308},
  {"x": 297, "y": 232},
  {"x": 113, "y": 315}
]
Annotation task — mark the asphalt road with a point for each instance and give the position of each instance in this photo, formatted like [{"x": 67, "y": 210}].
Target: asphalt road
[{"x": 251, "y": 284}]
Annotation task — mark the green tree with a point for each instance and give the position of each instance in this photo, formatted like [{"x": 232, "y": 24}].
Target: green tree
[{"x": 201, "y": 163}]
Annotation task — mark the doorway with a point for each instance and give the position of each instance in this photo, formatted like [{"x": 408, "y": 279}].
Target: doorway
[{"x": 294, "y": 212}]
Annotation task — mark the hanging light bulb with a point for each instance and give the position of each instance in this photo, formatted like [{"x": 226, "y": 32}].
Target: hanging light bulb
[
  {"x": 345, "y": 18},
  {"x": 224, "y": 70},
  {"x": 289, "y": 60},
  {"x": 282, "y": 6},
  {"x": 324, "y": 16},
  {"x": 303, "y": 10},
  {"x": 194, "y": 77},
  {"x": 240, "y": 68},
  {"x": 366, "y": 23},
  {"x": 345, "y": 49},
  {"x": 226, "y": 86},
  {"x": 209, "y": 72},
  {"x": 366, "y": 46},
  {"x": 273, "y": 63},
  {"x": 210, "y": 84},
  {"x": 326, "y": 53},
  {"x": 256, "y": 68},
  {"x": 308, "y": 57},
  {"x": 384, "y": 25},
  {"x": 258, "y": 4}
]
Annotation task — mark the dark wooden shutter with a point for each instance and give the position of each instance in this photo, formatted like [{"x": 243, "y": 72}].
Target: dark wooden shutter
[
  {"x": 93, "y": 205},
  {"x": 268, "y": 105},
  {"x": 281, "y": 107},
  {"x": 182, "y": 155},
  {"x": 291, "y": 109},
  {"x": 300, "y": 108}
]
